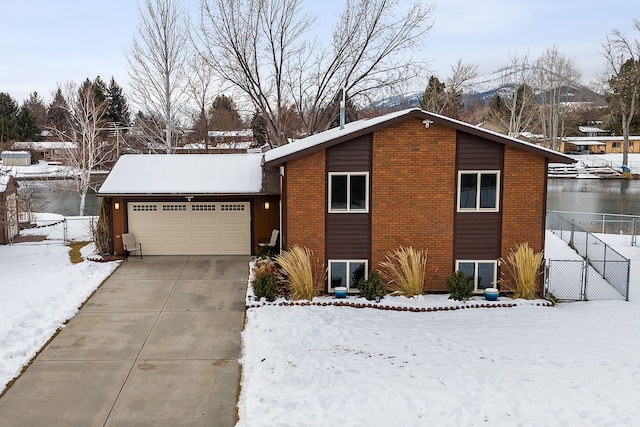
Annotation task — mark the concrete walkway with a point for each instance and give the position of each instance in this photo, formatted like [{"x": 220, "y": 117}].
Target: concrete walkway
[{"x": 156, "y": 345}]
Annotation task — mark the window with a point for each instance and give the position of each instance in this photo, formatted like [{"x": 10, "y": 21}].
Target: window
[
  {"x": 484, "y": 273},
  {"x": 478, "y": 191},
  {"x": 346, "y": 273},
  {"x": 349, "y": 192}
]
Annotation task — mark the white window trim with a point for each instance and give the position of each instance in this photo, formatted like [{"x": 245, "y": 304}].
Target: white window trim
[
  {"x": 348, "y": 261},
  {"x": 478, "y": 208},
  {"x": 475, "y": 271},
  {"x": 366, "y": 192}
]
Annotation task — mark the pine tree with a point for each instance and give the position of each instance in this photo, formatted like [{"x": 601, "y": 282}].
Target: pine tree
[
  {"x": 39, "y": 110},
  {"x": 8, "y": 118},
  {"x": 118, "y": 108},
  {"x": 259, "y": 128},
  {"x": 27, "y": 128},
  {"x": 224, "y": 115},
  {"x": 58, "y": 113}
]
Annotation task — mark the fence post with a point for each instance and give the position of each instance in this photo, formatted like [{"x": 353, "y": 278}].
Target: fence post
[
  {"x": 626, "y": 297},
  {"x": 585, "y": 279},
  {"x": 64, "y": 227},
  {"x": 633, "y": 232},
  {"x": 573, "y": 226},
  {"x": 603, "y": 219}
]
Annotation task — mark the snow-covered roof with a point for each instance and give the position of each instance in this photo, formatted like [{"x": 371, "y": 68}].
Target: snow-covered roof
[
  {"x": 4, "y": 182},
  {"x": 353, "y": 129},
  {"x": 43, "y": 145},
  {"x": 586, "y": 142},
  {"x": 591, "y": 129},
  {"x": 185, "y": 174},
  {"x": 246, "y": 133}
]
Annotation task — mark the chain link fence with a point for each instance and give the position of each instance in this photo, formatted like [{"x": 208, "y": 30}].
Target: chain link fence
[
  {"x": 602, "y": 273},
  {"x": 604, "y": 223}
]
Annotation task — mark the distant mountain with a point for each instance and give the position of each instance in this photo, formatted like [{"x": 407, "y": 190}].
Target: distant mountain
[{"x": 484, "y": 95}]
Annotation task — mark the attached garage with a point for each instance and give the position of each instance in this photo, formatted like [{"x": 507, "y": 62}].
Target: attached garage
[
  {"x": 192, "y": 204},
  {"x": 204, "y": 228}
]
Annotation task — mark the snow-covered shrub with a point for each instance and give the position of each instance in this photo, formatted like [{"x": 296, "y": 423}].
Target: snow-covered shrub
[
  {"x": 405, "y": 270},
  {"x": 372, "y": 286},
  {"x": 523, "y": 266},
  {"x": 460, "y": 286}
]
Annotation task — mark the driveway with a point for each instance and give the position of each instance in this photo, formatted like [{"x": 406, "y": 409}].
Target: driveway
[{"x": 156, "y": 345}]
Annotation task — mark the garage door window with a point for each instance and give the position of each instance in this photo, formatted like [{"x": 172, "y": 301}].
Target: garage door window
[
  {"x": 203, "y": 207},
  {"x": 143, "y": 208},
  {"x": 174, "y": 207},
  {"x": 232, "y": 207}
]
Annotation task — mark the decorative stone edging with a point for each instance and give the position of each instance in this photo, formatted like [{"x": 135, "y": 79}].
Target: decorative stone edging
[{"x": 396, "y": 307}]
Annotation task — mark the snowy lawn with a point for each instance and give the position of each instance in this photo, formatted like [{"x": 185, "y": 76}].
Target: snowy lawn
[
  {"x": 574, "y": 364},
  {"x": 40, "y": 289}
]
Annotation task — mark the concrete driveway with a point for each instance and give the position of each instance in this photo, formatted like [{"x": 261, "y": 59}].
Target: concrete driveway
[{"x": 156, "y": 345}]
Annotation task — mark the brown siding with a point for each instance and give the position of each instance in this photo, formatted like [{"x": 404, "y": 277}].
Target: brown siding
[
  {"x": 523, "y": 201},
  {"x": 475, "y": 153},
  {"x": 348, "y": 235},
  {"x": 352, "y": 156},
  {"x": 413, "y": 185},
  {"x": 477, "y": 234},
  {"x": 306, "y": 206}
]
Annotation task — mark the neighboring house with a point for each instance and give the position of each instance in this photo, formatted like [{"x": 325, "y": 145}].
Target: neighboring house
[
  {"x": 412, "y": 178},
  {"x": 196, "y": 204},
  {"x": 49, "y": 151},
  {"x": 599, "y": 145},
  {"x": 9, "y": 226}
]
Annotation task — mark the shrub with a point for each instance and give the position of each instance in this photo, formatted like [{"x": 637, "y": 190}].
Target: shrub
[
  {"x": 100, "y": 230},
  {"x": 265, "y": 285},
  {"x": 523, "y": 266},
  {"x": 371, "y": 287},
  {"x": 405, "y": 270},
  {"x": 460, "y": 286},
  {"x": 298, "y": 272}
]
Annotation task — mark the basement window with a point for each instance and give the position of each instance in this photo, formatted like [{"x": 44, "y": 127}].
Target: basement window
[
  {"x": 346, "y": 273},
  {"x": 483, "y": 273}
]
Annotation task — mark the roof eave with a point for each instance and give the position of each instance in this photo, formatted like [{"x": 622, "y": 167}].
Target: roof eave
[{"x": 554, "y": 157}]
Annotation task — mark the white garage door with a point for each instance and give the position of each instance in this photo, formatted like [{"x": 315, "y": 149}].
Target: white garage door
[{"x": 222, "y": 228}]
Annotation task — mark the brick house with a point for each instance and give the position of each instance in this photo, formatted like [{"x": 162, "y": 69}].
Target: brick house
[{"x": 412, "y": 178}]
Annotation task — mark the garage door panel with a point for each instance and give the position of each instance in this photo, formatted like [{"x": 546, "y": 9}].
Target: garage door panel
[{"x": 191, "y": 228}]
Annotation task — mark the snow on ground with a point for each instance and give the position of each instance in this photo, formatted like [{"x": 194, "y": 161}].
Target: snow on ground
[
  {"x": 40, "y": 289},
  {"x": 613, "y": 160},
  {"x": 574, "y": 364}
]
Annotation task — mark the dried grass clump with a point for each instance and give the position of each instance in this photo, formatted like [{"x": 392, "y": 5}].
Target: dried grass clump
[
  {"x": 298, "y": 272},
  {"x": 405, "y": 271},
  {"x": 523, "y": 266}
]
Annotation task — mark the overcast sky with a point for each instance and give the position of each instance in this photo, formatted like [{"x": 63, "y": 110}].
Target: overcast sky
[{"x": 44, "y": 43}]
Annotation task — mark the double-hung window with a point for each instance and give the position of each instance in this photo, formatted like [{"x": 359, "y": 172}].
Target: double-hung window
[
  {"x": 478, "y": 191},
  {"x": 348, "y": 192},
  {"x": 346, "y": 273},
  {"x": 483, "y": 273}
]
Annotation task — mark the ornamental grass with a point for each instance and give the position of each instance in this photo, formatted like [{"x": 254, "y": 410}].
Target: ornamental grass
[
  {"x": 523, "y": 266},
  {"x": 298, "y": 271},
  {"x": 405, "y": 271}
]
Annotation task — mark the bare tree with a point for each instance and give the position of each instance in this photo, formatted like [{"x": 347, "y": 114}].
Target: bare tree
[
  {"x": 261, "y": 47},
  {"x": 517, "y": 79},
  {"x": 87, "y": 119},
  {"x": 199, "y": 91},
  {"x": 623, "y": 62},
  {"x": 446, "y": 98},
  {"x": 157, "y": 66},
  {"x": 555, "y": 76}
]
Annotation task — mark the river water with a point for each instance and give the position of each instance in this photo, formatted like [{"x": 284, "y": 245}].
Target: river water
[
  {"x": 564, "y": 194},
  {"x": 618, "y": 196},
  {"x": 58, "y": 196}
]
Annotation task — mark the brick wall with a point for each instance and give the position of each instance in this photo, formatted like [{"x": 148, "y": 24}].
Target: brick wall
[
  {"x": 523, "y": 201},
  {"x": 306, "y": 207},
  {"x": 413, "y": 194}
]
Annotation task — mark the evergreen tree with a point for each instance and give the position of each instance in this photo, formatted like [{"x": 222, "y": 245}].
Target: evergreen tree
[
  {"x": 27, "y": 128},
  {"x": 224, "y": 115},
  {"x": 100, "y": 91},
  {"x": 118, "y": 108},
  {"x": 8, "y": 118},
  {"x": 440, "y": 100},
  {"x": 259, "y": 128},
  {"x": 58, "y": 113},
  {"x": 39, "y": 110}
]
